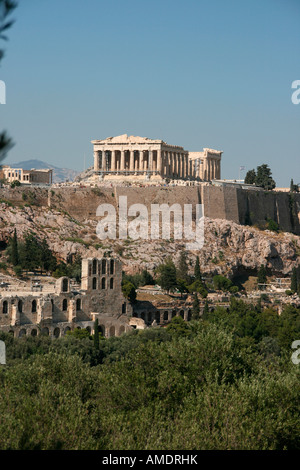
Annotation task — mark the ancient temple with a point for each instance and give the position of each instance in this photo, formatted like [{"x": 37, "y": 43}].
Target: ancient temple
[{"x": 133, "y": 157}]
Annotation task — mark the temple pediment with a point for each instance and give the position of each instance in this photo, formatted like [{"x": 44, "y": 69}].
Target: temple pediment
[{"x": 127, "y": 139}]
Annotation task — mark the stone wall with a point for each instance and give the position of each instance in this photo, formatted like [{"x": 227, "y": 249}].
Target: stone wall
[{"x": 245, "y": 207}]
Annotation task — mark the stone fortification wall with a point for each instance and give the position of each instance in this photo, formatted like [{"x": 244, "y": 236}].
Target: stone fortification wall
[{"x": 245, "y": 207}]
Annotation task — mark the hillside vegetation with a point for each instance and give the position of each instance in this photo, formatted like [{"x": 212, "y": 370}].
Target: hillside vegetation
[{"x": 223, "y": 382}]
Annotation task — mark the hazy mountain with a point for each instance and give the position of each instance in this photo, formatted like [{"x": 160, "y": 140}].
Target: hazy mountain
[{"x": 59, "y": 174}]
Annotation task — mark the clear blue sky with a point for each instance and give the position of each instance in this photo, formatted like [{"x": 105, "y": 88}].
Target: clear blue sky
[{"x": 196, "y": 73}]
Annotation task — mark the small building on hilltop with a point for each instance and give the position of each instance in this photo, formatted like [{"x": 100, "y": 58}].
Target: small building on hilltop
[{"x": 28, "y": 177}]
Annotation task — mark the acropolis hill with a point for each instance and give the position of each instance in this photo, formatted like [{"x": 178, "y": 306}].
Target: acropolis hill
[{"x": 148, "y": 172}]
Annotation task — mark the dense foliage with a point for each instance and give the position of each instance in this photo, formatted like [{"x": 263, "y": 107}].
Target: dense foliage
[{"x": 226, "y": 382}]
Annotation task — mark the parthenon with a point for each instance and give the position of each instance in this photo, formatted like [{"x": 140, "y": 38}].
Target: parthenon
[{"x": 133, "y": 157}]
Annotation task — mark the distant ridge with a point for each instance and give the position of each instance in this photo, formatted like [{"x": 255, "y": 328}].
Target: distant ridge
[{"x": 59, "y": 174}]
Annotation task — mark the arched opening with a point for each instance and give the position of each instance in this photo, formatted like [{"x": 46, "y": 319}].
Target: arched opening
[
  {"x": 78, "y": 304},
  {"x": 20, "y": 306},
  {"x": 124, "y": 307},
  {"x": 111, "y": 283},
  {"x": 173, "y": 313},
  {"x": 166, "y": 315},
  {"x": 65, "y": 305},
  {"x": 22, "y": 333},
  {"x": 56, "y": 332},
  {"x": 102, "y": 330},
  {"x": 94, "y": 283},
  {"x": 33, "y": 306},
  {"x": 112, "y": 266},
  {"x": 33, "y": 332},
  {"x": 67, "y": 329},
  {"x": 181, "y": 313},
  {"x": 5, "y": 306},
  {"x": 94, "y": 266},
  {"x": 112, "y": 331},
  {"x": 88, "y": 328},
  {"x": 103, "y": 283},
  {"x": 45, "y": 331},
  {"x": 189, "y": 315},
  {"x": 157, "y": 317},
  {"x": 65, "y": 285},
  {"x": 103, "y": 266},
  {"x": 121, "y": 330}
]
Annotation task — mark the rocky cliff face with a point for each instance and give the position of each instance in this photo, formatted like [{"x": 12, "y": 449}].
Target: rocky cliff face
[{"x": 229, "y": 248}]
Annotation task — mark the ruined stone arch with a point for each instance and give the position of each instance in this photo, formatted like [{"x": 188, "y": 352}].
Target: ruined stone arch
[
  {"x": 112, "y": 331},
  {"x": 33, "y": 306},
  {"x": 65, "y": 284},
  {"x": 112, "y": 266},
  {"x": 33, "y": 332},
  {"x": 56, "y": 332},
  {"x": 94, "y": 266},
  {"x": 5, "y": 307},
  {"x": 102, "y": 329},
  {"x": 121, "y": 330},
  {"x": 104, "y": 266},
  {"x": 64, "y": 305}
]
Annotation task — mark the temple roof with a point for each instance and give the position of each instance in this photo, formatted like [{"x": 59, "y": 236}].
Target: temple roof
[{"x": 127, "y": 139}]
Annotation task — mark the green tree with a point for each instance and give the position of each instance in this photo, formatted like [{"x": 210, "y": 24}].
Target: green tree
[
  {"x": 262, "y": 275},
  {"x": 197, "y": 271},
  {"x": 129, "y": 291},
  {"x": 196, "y": 308},
  {"x": 205, "y": 310},
  {"x": 80, "y": 333},
  {"x": 250, "y": 177},
  {"x": 264, "y": 178},
  {"x": 6, "y": 8},
  {"x": 222, "y": 283},
  {"x": 182, "y": 269},
  {"x": 96, "y": 334},
  {"x": 167, "y": 275},
  {"x": 178, "y": 327},
  {"x": 48, "y": 261}
]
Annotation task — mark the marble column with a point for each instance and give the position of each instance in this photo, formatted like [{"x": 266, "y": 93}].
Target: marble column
[
  {"x": 113, "y": 160},
  {"x": 141, "y": 160},
  {"x": 158, "y": 161},
  {"x": 166, "y": 164},
  {"x": 103, "y": 160},
  {"x": 122, "y": 164},
  {"x": 96, "y": 160},
  {"x": 131, "y": 164},
  {"x": 150, "y": 160}
]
